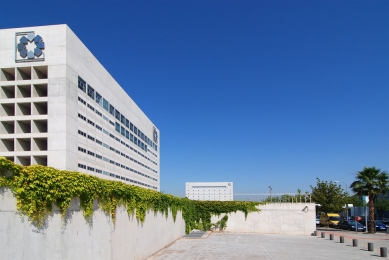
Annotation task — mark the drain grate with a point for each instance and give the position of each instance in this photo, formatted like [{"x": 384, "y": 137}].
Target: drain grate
[{"x": 195, "y": 234}]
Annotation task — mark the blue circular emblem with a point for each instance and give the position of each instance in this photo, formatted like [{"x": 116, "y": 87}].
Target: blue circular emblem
[
  {"x": 30, "y": 39},
  {"x": 155, "y": 135}
]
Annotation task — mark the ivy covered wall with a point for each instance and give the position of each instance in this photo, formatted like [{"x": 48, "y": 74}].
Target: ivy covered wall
[{"x": 37, "y": 188}]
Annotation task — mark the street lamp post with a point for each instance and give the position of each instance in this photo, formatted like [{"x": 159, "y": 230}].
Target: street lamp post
[
  {"x": 347, "y": 195},
  {"x": 270, "y": 193}
]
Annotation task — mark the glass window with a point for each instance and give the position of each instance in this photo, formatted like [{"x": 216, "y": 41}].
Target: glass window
[
  {"x": 117, "y": 127},
  {"x": 122, "y": 119},
  {"x": 99, "y": 99},
  {"x": 123, "y": 131},
  {"x": 117, "y": 114},
  {"x": 135, "y": 130},
  {"x": 111, "y": 110},
  {"x": 81, "y": 84},
  {"x": 105, "y": 104},
  {"x": 142, "y": 136},
  {"x": 135, "y": 140},
  {"x": 131, "y": 137},
  {"x": 91, "y": 92},
  {"x": 131, "y": 127},
  {"x": 127, "y": 134},
  {"x": 127, "y": 123}
]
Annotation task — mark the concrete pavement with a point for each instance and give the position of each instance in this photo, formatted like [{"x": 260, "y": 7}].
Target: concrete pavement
[{"x": 272, "y": 246}]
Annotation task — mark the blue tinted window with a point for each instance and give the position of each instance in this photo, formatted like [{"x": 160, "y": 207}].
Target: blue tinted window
[
  {"x": 91, "y": 92},
  {"x": 105, "y": 104},
  {"x": 135, "y": 140},
  {"x": 117, "y": 114},
  {"x": 81, "y": 84},
  {"x": 127, "y": 134},
  {"x": 111, "y": 110},
  {"x": 117, "y": 127},
  {"x": 127, "y": 123},
  {"x": 99, "y": 99},
  {"x": 122, "y": 119},
  {"x": 135, "y": 130},
  {"x": 131, "y": 137},
  {"x": 123, "y": 131},
  {"x": 131, "y": 127}
]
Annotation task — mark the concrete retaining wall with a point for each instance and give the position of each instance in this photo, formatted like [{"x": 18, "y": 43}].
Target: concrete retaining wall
[
  {"x": 77, "y": 239},
  {"x": 275, "y": 218}
]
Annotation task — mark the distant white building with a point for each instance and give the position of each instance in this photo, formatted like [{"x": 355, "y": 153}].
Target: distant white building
[{"x": 219, "y": 191}]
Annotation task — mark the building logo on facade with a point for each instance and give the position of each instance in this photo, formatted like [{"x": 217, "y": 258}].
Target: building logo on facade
[
  {"x": 155, "y": 135},
  {"x": 29, "y": 47}
]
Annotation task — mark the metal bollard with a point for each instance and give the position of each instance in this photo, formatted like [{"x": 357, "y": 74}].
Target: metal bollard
[
  {"x": 323, "y": 234},
  {"x": 331, "y": 236},
  {"x": 384, "y": 252},
  {"x": 355, "y": 242},
  {"x": 341, "y": 239},
  {"x": 370, "y": 247}
]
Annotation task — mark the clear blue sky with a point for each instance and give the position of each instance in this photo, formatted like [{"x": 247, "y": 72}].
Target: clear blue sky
[{"x": 255, "y": 92}]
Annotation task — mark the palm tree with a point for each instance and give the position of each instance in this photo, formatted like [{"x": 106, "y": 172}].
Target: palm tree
[{"x": 371, "y": 182}]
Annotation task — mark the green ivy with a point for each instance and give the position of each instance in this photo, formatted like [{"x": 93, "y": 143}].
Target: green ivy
[{"x": 37, "y": 188}]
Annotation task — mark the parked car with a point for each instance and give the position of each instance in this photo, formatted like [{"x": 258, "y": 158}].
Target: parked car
[
  {"x": 350, "y": 225},
  {"x": 332, "y": 218},
  {"x": 379, "y": 225},
  {"x": 317, "y": 220}
]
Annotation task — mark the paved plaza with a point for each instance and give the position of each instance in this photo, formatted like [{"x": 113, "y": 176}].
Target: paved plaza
[{"x": 270, "y": 246}]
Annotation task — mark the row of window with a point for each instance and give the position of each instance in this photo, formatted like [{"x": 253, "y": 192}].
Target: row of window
[
  {"x": 120, "y": 153},
  {"x": 121, "y": 130},
  {"x": 131, "y": 137},
  {"x": 114, "y": 112},
  {"x": 83, "y": 166},
  {"x": 117, "y": 139},
  {"x": 115, "y": 163}
]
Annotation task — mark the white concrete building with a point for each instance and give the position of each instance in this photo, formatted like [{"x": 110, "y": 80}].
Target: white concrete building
[
  {"x": 220, "y": 191},
  {"x": 59, "y": 107}
]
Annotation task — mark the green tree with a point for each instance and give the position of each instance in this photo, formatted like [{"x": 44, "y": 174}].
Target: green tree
[
  {"x": 356, "y": 200},
  {"x": 370, "y": 182},
  {"x": 329, "y": 196},
  {"x": 382, "y": 205}
]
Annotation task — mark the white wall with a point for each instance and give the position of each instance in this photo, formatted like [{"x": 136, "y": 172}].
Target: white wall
[
  {"x": 78, "y": 240},
  {"x": 274, "y": 218}
]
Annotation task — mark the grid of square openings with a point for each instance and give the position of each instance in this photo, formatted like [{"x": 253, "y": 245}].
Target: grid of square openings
[
  {"x": 23, "y": 91},
  {"x": 123, "y": 123}
]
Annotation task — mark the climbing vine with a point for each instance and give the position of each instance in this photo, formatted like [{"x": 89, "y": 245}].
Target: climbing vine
[{"x": 37, "y": 188}]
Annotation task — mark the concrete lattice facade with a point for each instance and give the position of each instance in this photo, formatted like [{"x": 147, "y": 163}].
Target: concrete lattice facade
[
  {"x": 59, "y": 107},
  {"x": 220, "y": 191}
]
